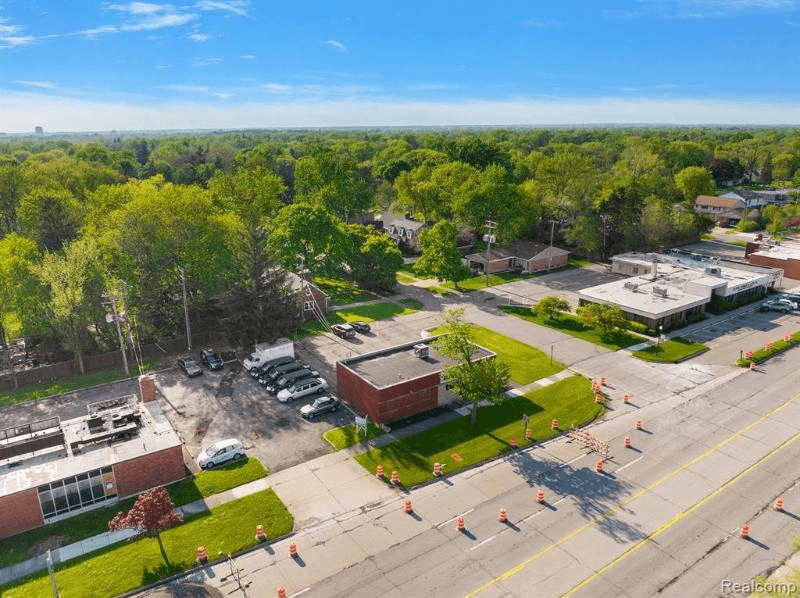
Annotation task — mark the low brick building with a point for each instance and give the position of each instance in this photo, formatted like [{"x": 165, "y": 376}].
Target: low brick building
[
  {"x": 775, "y": 255},
  {"x": 51, "y": 470},
  {"x": 397, "y": 382},
  {"x": 523, "y": 255}
]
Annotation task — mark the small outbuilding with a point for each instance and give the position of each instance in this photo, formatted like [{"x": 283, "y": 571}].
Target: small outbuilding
[{"x": 524, "y": 255}]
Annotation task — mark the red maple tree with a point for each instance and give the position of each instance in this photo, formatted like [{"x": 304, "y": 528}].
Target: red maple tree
[{"x": 152, "y": 512}]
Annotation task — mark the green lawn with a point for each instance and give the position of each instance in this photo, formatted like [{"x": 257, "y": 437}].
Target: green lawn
[
  {"x": 65, "y": 385},
  {"x": 340, "y": 438},
  {"x": 476, "y": 283},
  {"x": 738, "y": 243},
  {"x": 570, "y": 401},
  {"x": 124, "y": 567},
  {"x": 526, "y": 363},
  {"x": 404, "y": 279},
  {"x": 440, "y": 291},
  {"x": 671, "y": 351},
  {"x": 18, "y": 549},
  {"x": 342, "y": 292},
  {"x": 570, "y": 324}
]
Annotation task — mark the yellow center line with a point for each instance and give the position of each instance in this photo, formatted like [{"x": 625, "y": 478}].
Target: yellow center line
[
  {"x": 664, "y": 527},
  {"x": 516, "y": 569}
]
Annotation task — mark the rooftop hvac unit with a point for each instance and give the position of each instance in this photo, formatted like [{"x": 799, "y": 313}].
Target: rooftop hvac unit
[
  {"x": 631, "y": 285},
  {"x": 713, "y": 270},
  {"x": 421, "y": 350},
  {"x": 662, "y": 291}
]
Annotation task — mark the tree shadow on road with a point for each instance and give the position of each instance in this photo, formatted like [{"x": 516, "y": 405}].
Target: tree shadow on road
[{"x": 597, "y": 496}]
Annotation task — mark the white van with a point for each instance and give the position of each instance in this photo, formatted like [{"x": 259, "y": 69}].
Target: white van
[{"x": 219, "y": 452}]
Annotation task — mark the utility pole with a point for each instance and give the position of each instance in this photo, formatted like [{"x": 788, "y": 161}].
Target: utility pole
[
  {"x": 489, "y": 238},
  {"x": 112, "y": 299},
  {"x": 552, "y": 231},
  {"x": 185, "y": 308},
  {"x": 603, "y": 220}
]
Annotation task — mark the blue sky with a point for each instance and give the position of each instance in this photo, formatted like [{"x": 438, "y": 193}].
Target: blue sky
[{"x": 92, "y": 66}]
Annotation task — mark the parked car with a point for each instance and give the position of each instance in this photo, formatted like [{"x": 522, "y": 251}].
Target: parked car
[
  {"x": 343, "y": 330},
  {"x": 319, "y": 406},
  {"x": 286, "y": 380},
  {"x": 211, "y": 360},
  {"x": 301, "y": 388},
  {"x": 279, "y": 371},
  {"x": 790, "y": 300},
  {"x": 219, "y": 452},
  {"x": 361, "y": 327},
  {"x": 266, "y": 367},
  {"x": 190, "y": 367},
  {"x": 775, "y": 305}
]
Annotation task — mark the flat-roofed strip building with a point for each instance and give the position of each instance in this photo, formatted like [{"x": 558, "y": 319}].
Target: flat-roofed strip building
[
  {"x": 664, "y": 290},
  {"x": 776, "y": 255},
  {"x": 397, "y": 382},
  {"x": 51, "y": 470}
]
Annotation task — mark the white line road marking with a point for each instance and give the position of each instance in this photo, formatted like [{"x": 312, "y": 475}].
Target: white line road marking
[
  {"x": 441, "y": 525},
  {"x": 629, "y": 464}
]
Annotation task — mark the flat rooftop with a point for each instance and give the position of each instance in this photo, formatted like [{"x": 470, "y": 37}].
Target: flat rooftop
[
  {"x": 398, "y": 364},
  {"x": 679, "y": 284},
  {"x": 154, "y": 433},
  {"x": 784, "y": 251}
]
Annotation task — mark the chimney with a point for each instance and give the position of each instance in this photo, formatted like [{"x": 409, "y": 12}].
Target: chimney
[{"x": 147, "y": 388}]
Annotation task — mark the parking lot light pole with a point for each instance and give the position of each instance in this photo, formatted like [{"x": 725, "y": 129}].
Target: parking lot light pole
[{"x": 658, "y": 340}]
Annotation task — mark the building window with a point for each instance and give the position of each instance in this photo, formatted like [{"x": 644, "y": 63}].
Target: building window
[
  {"x": 74, "y": 493},
  {"x": 636, "y": 269},
  {"x": 307, "y": 306}
]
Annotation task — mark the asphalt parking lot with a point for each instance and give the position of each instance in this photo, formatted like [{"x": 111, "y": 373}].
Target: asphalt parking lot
[{"x": 230, "y": 404}]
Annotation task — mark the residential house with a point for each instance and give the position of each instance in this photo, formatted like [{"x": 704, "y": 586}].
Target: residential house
[
  {"x": 525, "y": 255},
  {"x": 316, "y": 303},
  {"x": 402, "y": 229},
  {"x": 727, "y": 211}
]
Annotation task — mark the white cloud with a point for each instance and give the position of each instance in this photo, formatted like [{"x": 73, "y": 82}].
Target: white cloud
[
  {"x": 159, "y": 22},
  {"x": 336, "y": 45},
  {"x": 700, "y": 9},
  {"x": 432, "y": 87},
  {"x": 39, "y": 84},
  {"x": 141, "y": 8},
  {"x": 276, "y": 88},
  {"x": 234, "y": 6},
  {"x": 202, "y": 62},
  {"x": 10, "y": 35},
  {"x": 222, "y": 95},
  {"x": 162, "y": 66},
  {"x": 196, "y": 36},
  {"x": 247, "y": 56},
  {"x": 186, "y": 88}
]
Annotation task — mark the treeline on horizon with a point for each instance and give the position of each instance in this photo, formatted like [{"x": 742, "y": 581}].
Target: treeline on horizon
[{"x": 231, "y": 213}]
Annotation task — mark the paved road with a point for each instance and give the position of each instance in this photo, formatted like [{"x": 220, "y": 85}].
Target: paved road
[
  {"x": 719, "y": 445},
  {"x": 663, "y": 518}
]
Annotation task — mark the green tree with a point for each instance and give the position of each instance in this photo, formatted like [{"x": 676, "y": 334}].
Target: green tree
[
  {"x": 305, "y": 236},
  {"x": 549, "y": 306},
  {"x": 606, "y": 318},
  {"x": 75, "y": 284},
  {"x": 476, "y": 381},
  {"x": 22, "y": 296},
  {"x": 12, "y": 187},
  {"x": 334, "y": 182},
  {"x": 51, "y": 217},
  {"x": 252, "y": 193},
  {"x": 492, "y": 196},
  {"x": 440, "y": 256},
  {"x": 693, "y": 181},
  {"x": 766, "y": 170},
  {"x": 374, "y": 258}
]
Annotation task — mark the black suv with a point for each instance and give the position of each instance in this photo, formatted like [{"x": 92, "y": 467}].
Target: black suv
[
  {"x": 267, "y": 366},
  {"x": 210, "y": 359},
  {"x": 361, "y": 327},
  {"x": 319, "y": 406},
  {"x": 190, "y": 367}
]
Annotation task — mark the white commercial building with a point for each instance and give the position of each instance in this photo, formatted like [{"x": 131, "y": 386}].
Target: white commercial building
[{"x": 665, "y": 289}]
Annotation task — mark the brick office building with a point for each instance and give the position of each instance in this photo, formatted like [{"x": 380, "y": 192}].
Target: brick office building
[
  {"x": 394, "y": 383},
  {"x": 775, "y": 255},
  {"x": 51, "y": 470}
]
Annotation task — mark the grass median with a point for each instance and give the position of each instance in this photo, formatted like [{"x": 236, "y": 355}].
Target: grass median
[
  {"x": 121, "y": 568},
  {"x": 364, "y": 313},
  {"x": 349, "y": 435},
  {"x": 525, "y": 363},
  {"x": 457, "y": 445},
  {"x": 673, "y": 350},
  {"x": 91, "y": 523},
  {"x": 572, "y": 325}
]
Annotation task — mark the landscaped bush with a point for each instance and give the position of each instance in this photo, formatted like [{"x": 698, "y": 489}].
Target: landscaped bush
[
  {"x": 762, "y": 354},
  {"x": 639, "y": 327}
]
